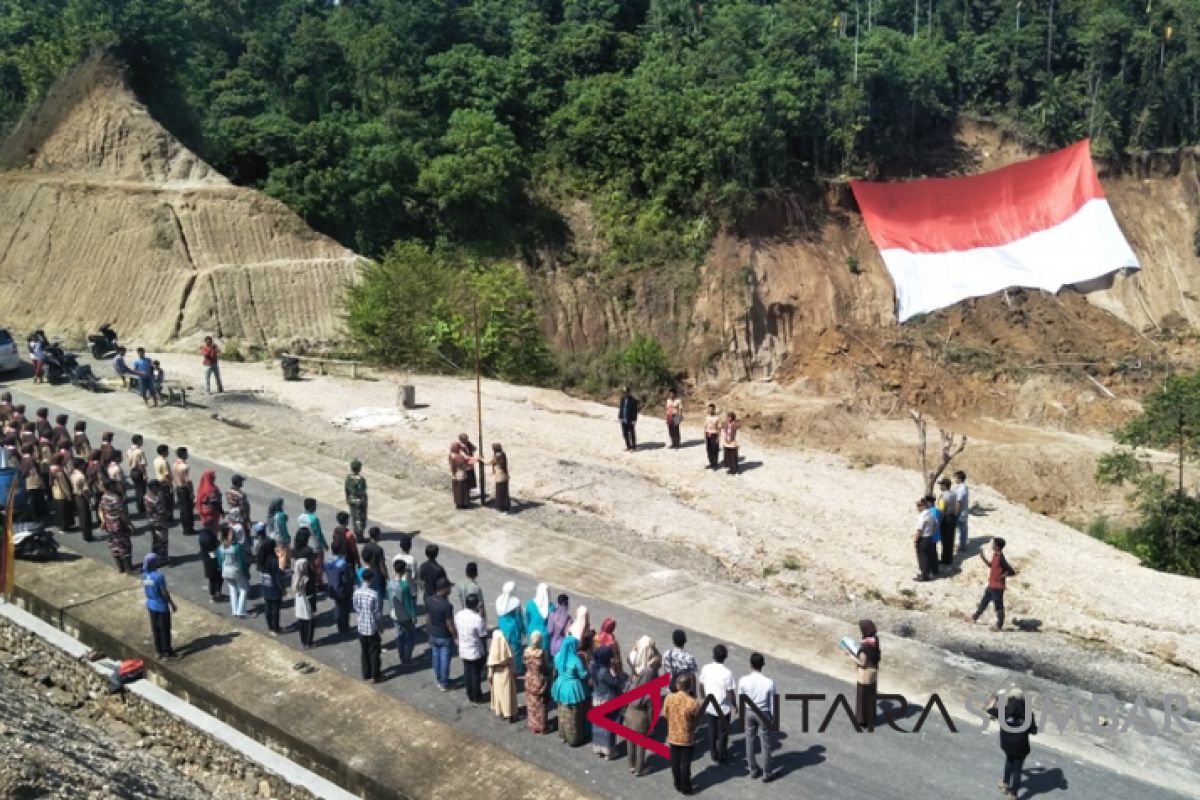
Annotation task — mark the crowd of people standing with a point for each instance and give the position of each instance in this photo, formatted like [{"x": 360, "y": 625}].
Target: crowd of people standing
[{"x": 562, "y": 664}]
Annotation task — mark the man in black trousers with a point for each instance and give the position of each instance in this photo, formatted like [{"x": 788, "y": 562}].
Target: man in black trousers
[{"x": 627, "y": 412}]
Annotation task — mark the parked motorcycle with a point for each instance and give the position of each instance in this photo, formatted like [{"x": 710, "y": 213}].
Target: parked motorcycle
[
  {"x": 103, "y": 344},
  {"x": 33, "y": 542},
  {"x": 64, "y": 365}
]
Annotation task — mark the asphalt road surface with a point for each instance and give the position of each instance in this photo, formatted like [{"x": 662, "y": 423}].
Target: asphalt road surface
[{"x": 838, "y": 764}]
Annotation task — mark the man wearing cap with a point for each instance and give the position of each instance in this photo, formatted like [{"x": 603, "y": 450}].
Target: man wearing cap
[
  {"x": 442, "y": 633},
  {"x": 356, "y": 498},
  {"x": 159, "y": 604}
]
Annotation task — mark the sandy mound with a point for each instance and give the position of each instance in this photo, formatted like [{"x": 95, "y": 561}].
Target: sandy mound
[{"x": 104, "y": 216}]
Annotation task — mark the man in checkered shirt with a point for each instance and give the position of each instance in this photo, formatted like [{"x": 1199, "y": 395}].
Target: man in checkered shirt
[{"x": 368, "y": 608}]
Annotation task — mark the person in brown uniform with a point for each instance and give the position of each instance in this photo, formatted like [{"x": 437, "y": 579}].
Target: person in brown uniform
[
  {"x": 80, "y": 443},
  {"x": 181, "y": 479},
  {"x": 81, "y": 493},
  {"x": 499, "y": 464},
  {"x": 135, "y": 461},
  {"x": 60, "y": 493},
  {"x": 460, "y": 467},
  {"x": 34, "y": 486},
  {"x": 162, "y": 474}
]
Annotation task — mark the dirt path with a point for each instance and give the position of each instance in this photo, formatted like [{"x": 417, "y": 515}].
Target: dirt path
[{"x": 798, "y": 522}]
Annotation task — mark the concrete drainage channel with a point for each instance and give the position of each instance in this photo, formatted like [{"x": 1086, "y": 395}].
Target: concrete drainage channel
[{"x": 222, "y": 761}]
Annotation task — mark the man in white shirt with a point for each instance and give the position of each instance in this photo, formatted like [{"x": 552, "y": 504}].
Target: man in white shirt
[
  {"x": 927, "y": 526},
  {"x": 962, "y": 497},
  {"x": 472, "y": 639},
  {"x": 760, "y": 690},
  {"x": 716, "y": 681}
]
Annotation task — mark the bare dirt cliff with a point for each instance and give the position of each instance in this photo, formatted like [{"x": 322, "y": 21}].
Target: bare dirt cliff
[
  {"x": 106, "y": 217},
  {"x": 798, "y": 295}
]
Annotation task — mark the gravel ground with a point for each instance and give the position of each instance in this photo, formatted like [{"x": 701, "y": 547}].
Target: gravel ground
[
  {"x": 798, "y": 523},
  {"x": 63, "y": 736}
]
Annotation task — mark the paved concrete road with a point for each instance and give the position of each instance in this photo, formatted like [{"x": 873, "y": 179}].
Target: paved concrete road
[{"x": 836, "y": 765}]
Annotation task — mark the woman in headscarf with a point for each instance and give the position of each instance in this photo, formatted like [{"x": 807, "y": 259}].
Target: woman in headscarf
[
  {"x": 208, "y": 502},
  {"x": 503, "y": 678},
  {"x": 270, "y": 577},
  {"x": 537, "y": 611},
  {"x": 607, "y": 638},
  {"x": 570, "y": 692},
  {"x": 114, "y": 518},
  {"x": 537, "y": 672},
  {"x": 645, "y": 662},
  {"x": 208, "y": 541},
  {"x": 867, "y": 659},
  {"x": 277, "y": 529},
  {"x": 304, "y": 587},
  {"x": 584, "y": 634},
  {"x": 607, "y": 683},
  {"x": 558, "y": 625},
  {"x": 499, "y": 464},
  {"x": 508, "y": 619},
  {"x": 460, "y": 468}
]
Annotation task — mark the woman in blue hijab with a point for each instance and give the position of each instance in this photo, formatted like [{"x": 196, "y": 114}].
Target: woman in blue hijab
[{"x": 570, "y": 692}]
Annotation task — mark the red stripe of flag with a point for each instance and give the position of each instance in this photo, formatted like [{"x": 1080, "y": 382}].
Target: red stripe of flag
[{"x": 937, "y": 215}]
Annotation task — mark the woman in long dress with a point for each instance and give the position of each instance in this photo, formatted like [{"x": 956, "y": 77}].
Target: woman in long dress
[
  {"x": 502, "y": 678},
  {"x": 460, "y": 467},
  {"x": 570, "y": 692},
  {"x": 537, "y": 611},
  {"x": 511, "y": 624},
  {"x": 304, "y": 587},
  {"x": 607, "y": 637},
  {"x": 607, "y": 682},
  {"x": 645, "y": 662},
  {"x": 536, "y": 684},
  {"x": 581, "y": 629},
  {"x": 729, "y": 441},
  {"x": 868, "y": 674},
  {"x": 499, "y": 464}
]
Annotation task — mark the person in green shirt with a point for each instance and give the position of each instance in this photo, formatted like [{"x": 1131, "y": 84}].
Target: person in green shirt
[
  {"x": 471, "y": 587},
  {"x": 356, "y": 498},
  {"x": 403, "y": 603}
]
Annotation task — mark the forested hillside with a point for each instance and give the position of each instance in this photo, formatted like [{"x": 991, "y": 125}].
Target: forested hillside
[{"x": 470, "y": 122}]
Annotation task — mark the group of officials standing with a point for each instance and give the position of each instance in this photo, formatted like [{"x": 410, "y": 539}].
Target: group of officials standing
[{"x": 720, "y": 433}]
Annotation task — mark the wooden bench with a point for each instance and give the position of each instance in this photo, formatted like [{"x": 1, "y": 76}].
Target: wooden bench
[{"x": 322, "y": 364}]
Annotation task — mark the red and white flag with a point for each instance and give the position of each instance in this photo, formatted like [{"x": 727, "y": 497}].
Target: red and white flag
[{"x": 1041, "y": 224}]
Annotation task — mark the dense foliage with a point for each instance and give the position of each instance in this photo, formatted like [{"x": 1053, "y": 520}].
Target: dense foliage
[
  {"x": 381, "y": 120},
  {"x": 1167, "y": 535},
  {"x": 422, "y": 308}
]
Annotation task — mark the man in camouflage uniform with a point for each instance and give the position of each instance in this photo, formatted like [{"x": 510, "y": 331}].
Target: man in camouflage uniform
[{"x": 356, "y": 499}]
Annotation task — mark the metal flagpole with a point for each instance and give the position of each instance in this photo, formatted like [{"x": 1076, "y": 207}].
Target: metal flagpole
[{"x": 479, "y": 403}]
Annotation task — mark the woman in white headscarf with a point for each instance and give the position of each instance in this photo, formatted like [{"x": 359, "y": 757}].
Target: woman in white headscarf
[
  {"x": 537, "y": 611},
  {"x": 511, "y": 624},
  {"x": 645, "y": 663},
  {"x": 503, "y": 679},
  {"x": 582, "y": 630}
]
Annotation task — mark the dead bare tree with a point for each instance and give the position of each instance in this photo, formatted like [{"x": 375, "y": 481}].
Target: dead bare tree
[{"x": 952, "y": 445}]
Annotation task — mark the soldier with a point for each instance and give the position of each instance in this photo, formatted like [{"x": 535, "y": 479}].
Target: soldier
[
  {"x": 157, "y": 509},
  {"x": 356, "y": 499}
]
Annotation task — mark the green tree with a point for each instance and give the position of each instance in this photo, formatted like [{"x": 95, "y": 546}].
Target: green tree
[{"x": 1167, "y": 535}]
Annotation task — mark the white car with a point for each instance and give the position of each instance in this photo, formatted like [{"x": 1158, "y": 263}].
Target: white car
[{"x": 10, "y": 356}]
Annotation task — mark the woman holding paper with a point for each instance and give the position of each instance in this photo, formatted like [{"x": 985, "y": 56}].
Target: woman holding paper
[{"x": 866, "y": 655}]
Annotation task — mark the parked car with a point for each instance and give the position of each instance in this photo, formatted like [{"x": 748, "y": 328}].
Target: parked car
[{"x": 10, "y": 356}]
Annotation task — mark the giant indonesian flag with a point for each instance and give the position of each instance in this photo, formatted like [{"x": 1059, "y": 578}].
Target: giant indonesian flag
[{"x": 1042, "y": 224}]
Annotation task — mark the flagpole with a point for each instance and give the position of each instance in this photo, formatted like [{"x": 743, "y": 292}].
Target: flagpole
[{"x": 479, "y": 403}]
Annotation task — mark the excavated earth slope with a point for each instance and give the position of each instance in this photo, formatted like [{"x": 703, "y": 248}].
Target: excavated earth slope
[{"x": 106, "y": 217}]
